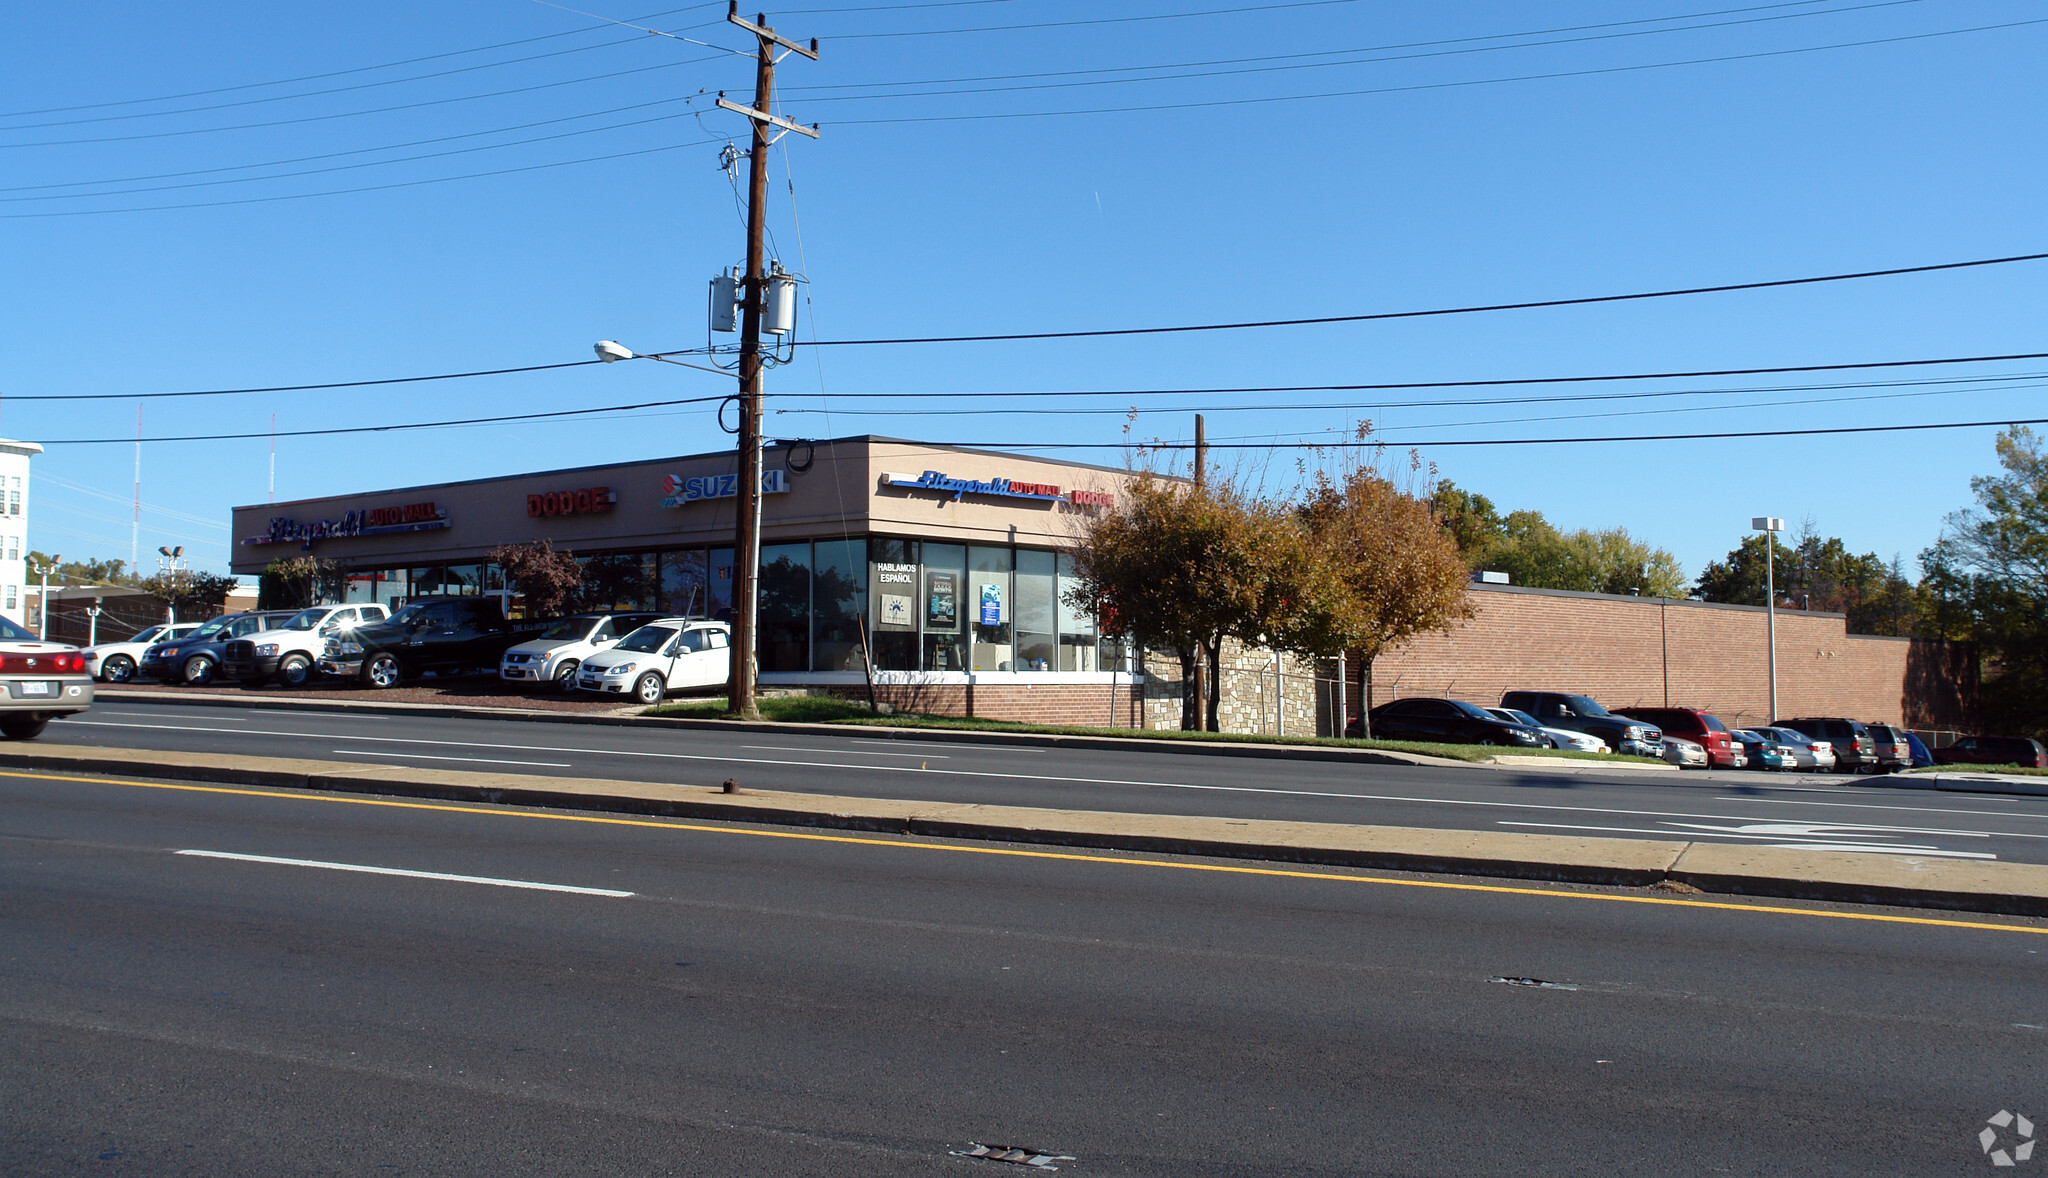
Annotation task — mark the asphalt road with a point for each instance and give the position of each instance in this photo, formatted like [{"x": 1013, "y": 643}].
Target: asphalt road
[
  {"x": 1824, "y": 812},
  {"x": 724, "y": 1000}
]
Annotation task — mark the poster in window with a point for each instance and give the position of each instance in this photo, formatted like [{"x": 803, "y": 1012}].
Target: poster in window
[
  {"x": 896, "y": 611},
  {"x": 942, "y": 601},
  {"x": 991, "y": 604}
]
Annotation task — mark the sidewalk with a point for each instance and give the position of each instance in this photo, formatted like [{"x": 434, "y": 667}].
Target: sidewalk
[
  {"x": 2012, "y": 889},
  {"x": 1966, "y": 781}
]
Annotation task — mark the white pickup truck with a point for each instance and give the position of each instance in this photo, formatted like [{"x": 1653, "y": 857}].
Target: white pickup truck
[{"x": 287, "y": 653}]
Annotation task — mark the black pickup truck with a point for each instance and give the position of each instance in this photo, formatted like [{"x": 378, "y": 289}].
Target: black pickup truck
[{"x": 442, "y": 634}]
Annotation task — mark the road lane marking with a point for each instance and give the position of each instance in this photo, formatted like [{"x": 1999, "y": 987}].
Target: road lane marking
[
  {"x": 440, "y": 875},
  {"x": 783, "y": 748},
  {"x": 1066, "y": 856},
  {"x": 1771, "y": 840},
  {"x": 1900, "y": 809},
  {"x": 942, "y": 772},
  {"x": 463, "y": 760}
]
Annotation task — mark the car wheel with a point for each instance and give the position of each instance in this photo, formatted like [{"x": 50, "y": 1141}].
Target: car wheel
[
  {"x": 119, "y": 669},
  {"x": 1488, "y": 741},
  {"x": 23, "y": 727},
  {"x": 382, "y": 671},
  {"x": 565, "y": 675},
  {"x": 295, "y": 671},
  {"x": 648, "y": 688},
  {"x": 199, "y": 670}
]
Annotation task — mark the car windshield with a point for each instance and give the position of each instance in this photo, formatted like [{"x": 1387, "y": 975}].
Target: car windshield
[
  {"x": 1712, "y": 722},
  {"x": 1788, "y": 736},
  {"x": 148, "y": 635},
  {"x": 1519, "y": 717},
  {"x": 569, "y": 629},
  {"x": 1472, "y": 710},
  {"x": 410, "y": 614},
  {"x": 646, "y": 640},
  {"x": 14, "y": 633},
  {"x": 209, "y": 629},
  {"x": 308, "y": 619},
  {"x": 1584, "y": 706}
]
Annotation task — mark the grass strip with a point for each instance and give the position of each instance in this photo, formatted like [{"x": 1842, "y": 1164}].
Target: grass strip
[
  {"x": 818, "y": 709},
  {"x": 2002, "y": 770}
]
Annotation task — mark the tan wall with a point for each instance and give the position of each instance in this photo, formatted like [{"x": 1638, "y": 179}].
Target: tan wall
[{"x": 1649, "y": 651}]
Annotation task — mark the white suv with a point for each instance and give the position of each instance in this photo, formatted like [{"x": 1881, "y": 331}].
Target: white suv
[
  {"x": 554, "y": 657},
  {"x": 114, "y": 662},
  {"x": 672, "y": 653},
  {"x": 289, "y": 652}
]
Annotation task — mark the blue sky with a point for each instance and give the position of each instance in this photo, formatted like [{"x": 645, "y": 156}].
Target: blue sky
[{"x": 1455, "y": 153}]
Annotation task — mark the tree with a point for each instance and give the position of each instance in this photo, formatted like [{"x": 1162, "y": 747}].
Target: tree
[
  {"x": 1818, "y": 574},
  {"x": 88, "y": 572},
  {"x": 1401, "y": 569},
  {"x": 1991, "y": 562},
  {"x": 1181, "y": 567},
  {"x": 295, "y": 582},
  {"x": 192, "y": 591},
  {"x": 1533, "y": 552},
  {"x": 544, "y": 576}
]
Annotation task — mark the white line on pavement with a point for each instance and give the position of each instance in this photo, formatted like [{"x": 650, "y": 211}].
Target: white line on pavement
[
  {"x": 441, "y": 875},
  {"x": 466, "y": 760},
  {"x": 945, "y": 772},
  {"x": 1773, "y": 840},
  {"x": 783, "y": 748}
]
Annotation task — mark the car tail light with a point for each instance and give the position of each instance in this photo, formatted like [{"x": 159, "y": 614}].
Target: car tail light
[{"x": 29, "y": 664}]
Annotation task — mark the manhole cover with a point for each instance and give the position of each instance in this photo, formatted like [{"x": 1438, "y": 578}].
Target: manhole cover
[{"x": 1014, "y": 1154}]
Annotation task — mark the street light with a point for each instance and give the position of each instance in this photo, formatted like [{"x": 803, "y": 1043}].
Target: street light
[
  {"x": 1770, "y": 526},
  {"x": 168, "y": 563},
  {"x": 747, "y": 532},
  {"x": 43, "y": 601}
]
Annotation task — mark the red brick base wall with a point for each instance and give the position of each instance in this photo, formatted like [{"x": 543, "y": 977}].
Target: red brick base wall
[{"x": 1092, "y": 704}]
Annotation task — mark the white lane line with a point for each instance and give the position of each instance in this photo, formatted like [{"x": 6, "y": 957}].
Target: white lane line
[
  {"x": 441, "y": 875},
  {"x": 944, "y": 772},
  {"x": 783, "y": 748},
  {"x": 147, "y": 715},
  {"x": 466, "y": 760},
  {"x": 931, "y": 744},
  {"x": 1900, "y": 809},
  {"x": 1772, "y": 840}
]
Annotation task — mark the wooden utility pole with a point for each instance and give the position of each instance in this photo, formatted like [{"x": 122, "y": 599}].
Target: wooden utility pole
[
  {"x": 1203, "y": 674},
  {"x": 747, "y": 537}
]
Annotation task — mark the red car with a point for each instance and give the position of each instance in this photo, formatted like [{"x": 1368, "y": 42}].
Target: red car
[{"x": 1702, "y": 728}]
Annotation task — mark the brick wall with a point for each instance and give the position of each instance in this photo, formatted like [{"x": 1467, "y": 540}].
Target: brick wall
[{"x": 1627, "y": 651}]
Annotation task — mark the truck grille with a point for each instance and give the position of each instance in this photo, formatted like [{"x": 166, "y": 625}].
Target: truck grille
[{"x": 239, "y": 649}]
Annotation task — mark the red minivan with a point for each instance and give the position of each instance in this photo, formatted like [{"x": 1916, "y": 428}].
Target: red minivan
[{"x": 1702, "y": 728}]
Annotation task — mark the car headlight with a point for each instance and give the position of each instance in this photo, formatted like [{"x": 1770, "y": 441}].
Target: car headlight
[
  {"x": 1632, "y": 732},
  {"x": 347, "y": 647},
  {"x": 266, "y": 650},
  {"x": 1527, "y": 737},
  {"x": 620, "y": 669}
]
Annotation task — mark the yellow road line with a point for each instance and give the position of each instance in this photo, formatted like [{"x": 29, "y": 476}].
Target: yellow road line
[{"x": 1226, "y": 869}]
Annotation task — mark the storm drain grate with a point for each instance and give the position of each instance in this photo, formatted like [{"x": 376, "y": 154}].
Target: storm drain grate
[
  {"x": 1014, "y": 1154},
  {"x": 1537, "y": 982}
]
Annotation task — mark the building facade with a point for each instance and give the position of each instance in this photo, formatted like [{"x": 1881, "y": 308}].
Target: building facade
[{"x": 14, "y": 533}]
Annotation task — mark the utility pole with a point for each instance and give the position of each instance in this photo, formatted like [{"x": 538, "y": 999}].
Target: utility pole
[
  {"x": 1202, "y": 674},
  {"x": 747, "y": 537}
]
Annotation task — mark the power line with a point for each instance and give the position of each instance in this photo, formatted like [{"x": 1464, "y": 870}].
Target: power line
[
  {"x": 1240, "y": 389},
  {"x": 1423, "y": 86},
  {"x": 502, "y": 419},
  {"x": 1588, "y": 300},
  {"x": 1747, "y": 435},
  {"x": 1106, "y": 20}
]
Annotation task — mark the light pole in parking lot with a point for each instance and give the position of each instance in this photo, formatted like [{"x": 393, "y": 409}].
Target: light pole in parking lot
[
  {"x": 43, "y": 570},
  {"x": 1770, "y": 526}
]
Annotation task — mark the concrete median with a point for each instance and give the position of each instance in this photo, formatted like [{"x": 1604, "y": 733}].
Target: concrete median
[{"x": 2014, "y": 889}]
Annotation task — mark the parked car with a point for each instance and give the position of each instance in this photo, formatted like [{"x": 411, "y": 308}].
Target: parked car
[
  {"x": 289, "y": 652},
  {"x": 1889, "y": 742},
  {"x": 668, "y": 655},
  {"x": 1921, "y": 757},
  {"x": 1854, "y": 750},
  {"x": 1763, "y": 752},
  {"x": 1560, "y": 738},
  {"x": 1993, "y": 750},
  {"x": 1450, "y": 721},
  {"x": 1580, "y": 713},
  {"x": 115, "y": 662},
  {"x": 39, "y": 681},
  {"x": 439, "y": 634},
  {"x": 1816, "y": 755},
  {"x": 195, "y": 659},
  {"x": 555, "y": 656},
  {"x": 1702, "y": 728},
  {"x": 1685, "y": 754}
]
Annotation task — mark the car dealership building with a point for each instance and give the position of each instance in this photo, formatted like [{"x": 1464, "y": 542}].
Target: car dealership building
[{"x": 954, "y": 555}]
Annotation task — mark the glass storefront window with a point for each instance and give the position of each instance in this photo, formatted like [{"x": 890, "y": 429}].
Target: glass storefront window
[
  {"x": 839, "y": 603},
  {"x": 893, "y": 577},
  {"x": 622, "y": 580},
  {"x": 940, "y": 605},
  {"x": 1036, "y": 609},
  {"x": 684, "y": 583},
  {"x": 1077, "y": 624},
  {"x": 721, "y": 563},
  {"x": 990, "y": 608},
  {"x": 785, "y": 611}
]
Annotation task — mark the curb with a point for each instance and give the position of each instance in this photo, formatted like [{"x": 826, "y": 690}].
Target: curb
[
  {"x": 1974, "y": 783},
  {"x": 2009, "y": 889},
  {"x": 947, "y": 735}
]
